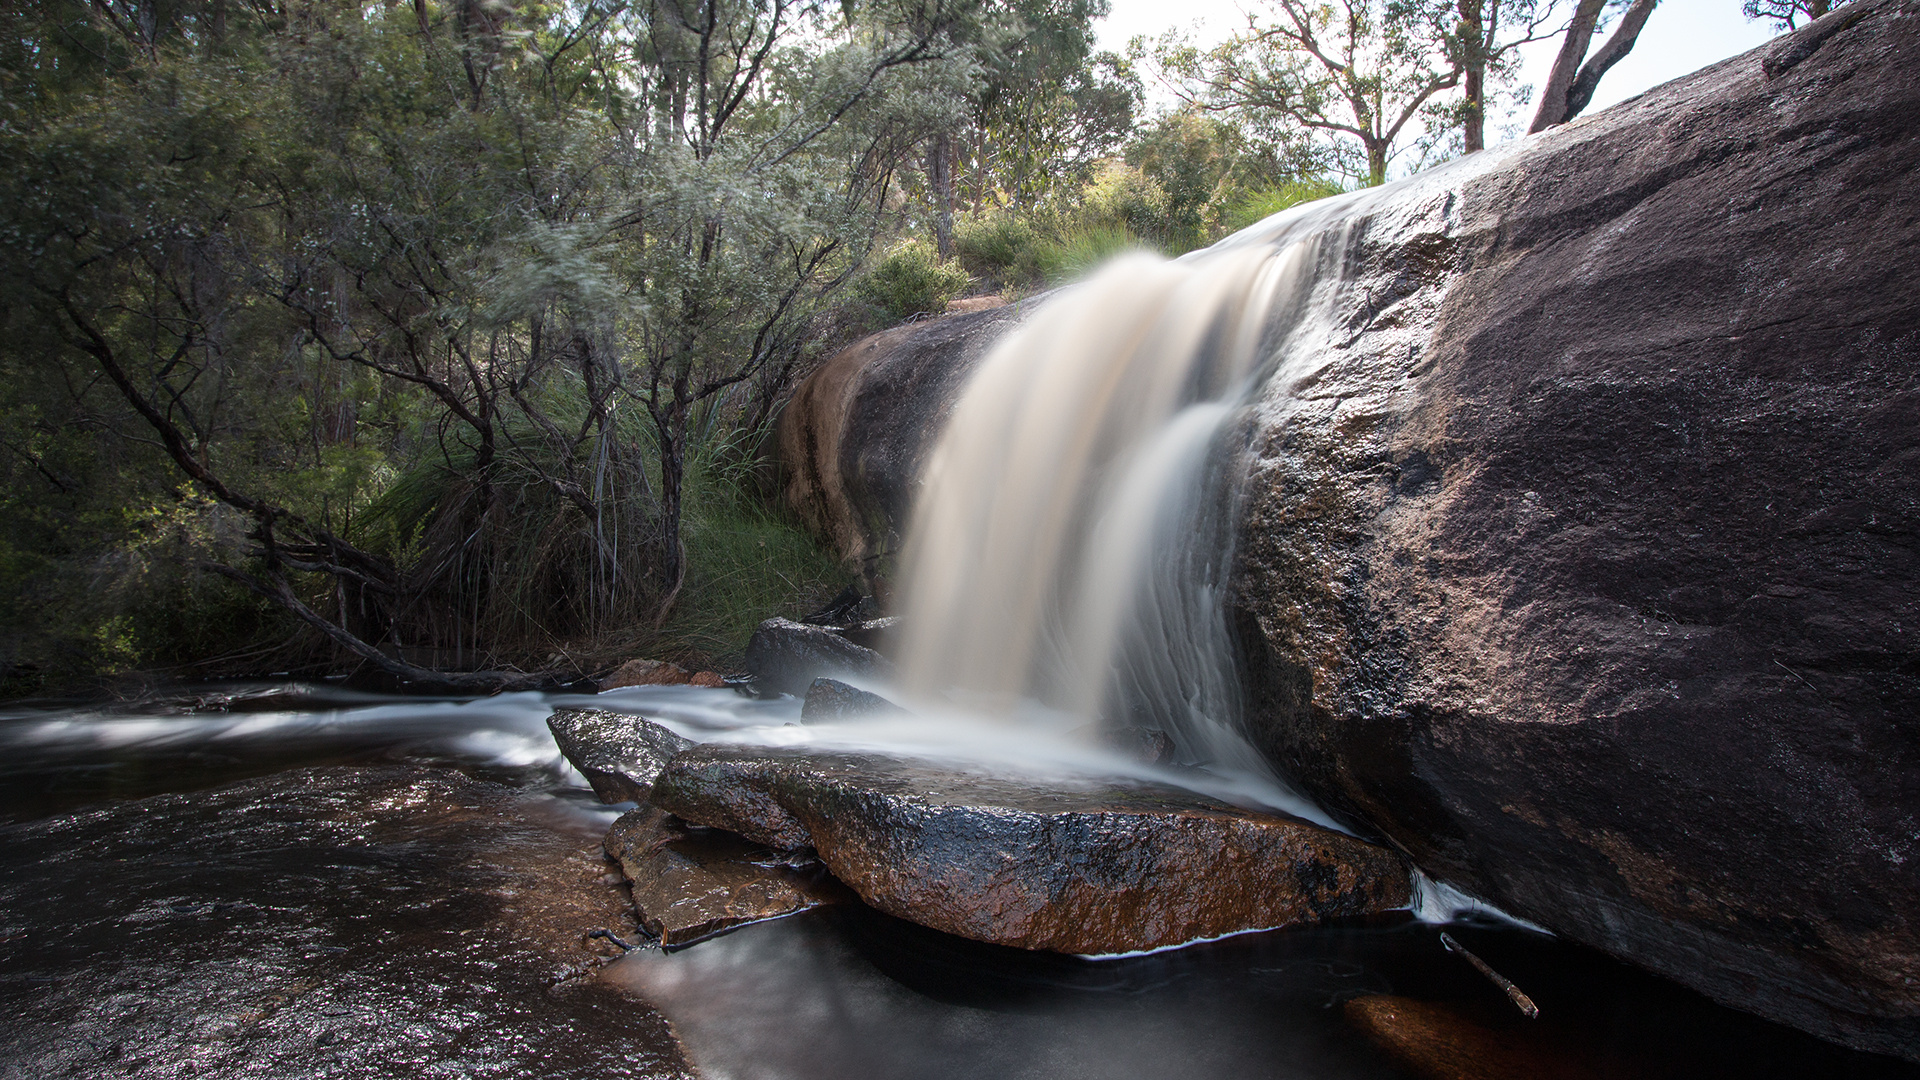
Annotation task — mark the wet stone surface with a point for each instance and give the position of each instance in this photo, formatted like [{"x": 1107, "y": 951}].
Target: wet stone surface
[
  {"x": 619, "y": 754},
  {"x": 785, "y": 657},
  {"x": 831, "y": 699},
  {"x": 1065, "y": 865},
  {"x": 384, "y": 921},
  {"x": 689, "y": 884}
]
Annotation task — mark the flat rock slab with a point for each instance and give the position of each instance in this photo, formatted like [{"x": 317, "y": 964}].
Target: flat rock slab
[
  {"x": 1090, "y": 868},
  {"x": 618, "y": 753},
  {"x": 689, "y": 885}
]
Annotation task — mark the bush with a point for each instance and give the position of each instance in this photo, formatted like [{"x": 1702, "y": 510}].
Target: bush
[
  {"x": 747, "y": 560},
  {"x": 1000, "y": 248},
  {"x": 1259, "y": 205},
  {"x": 912, "y": 281},
  {"x": 1083, "y": 249}
]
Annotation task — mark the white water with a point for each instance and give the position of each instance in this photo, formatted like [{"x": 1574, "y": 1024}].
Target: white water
[{"x": 1074, "y": 533}]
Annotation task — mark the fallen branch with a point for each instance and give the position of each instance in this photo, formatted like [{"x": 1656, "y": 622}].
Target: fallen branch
[{"x": 1520, "y": 1000}]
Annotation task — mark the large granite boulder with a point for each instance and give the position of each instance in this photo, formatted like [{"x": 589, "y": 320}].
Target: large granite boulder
[
  {"x": 1071, "y": 866},
  {"x": 1581, "y": 563},
  {"x": 853, "y": 437},
  {"x": 1587, "y": 567}
]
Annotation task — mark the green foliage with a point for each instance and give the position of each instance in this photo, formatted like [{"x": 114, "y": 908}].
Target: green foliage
[
  {"x": 748, "y": 561},
  {"x": 912, "y": 281},
  {"x": 1256, "y": 206}
]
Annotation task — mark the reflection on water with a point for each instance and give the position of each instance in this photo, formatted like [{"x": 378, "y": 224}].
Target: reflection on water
[{"x": 317, "y": 884}]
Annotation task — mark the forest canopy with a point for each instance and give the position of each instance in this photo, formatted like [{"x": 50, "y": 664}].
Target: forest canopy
[{"x": 417, "y": 337}]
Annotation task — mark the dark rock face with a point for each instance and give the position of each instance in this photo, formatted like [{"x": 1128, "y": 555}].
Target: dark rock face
[
  {"x": 689, "y": 885},
  {"x": 1582, "y": 563},
  {"x": 1586, "y": 569},
  {"x": 619, "y": 754},
  {"x": 1071, "y": 867},
  {"x": 853, "y": 437},
  {"x": 831, "y": 699},
  {"x": 785, "y": 657}
]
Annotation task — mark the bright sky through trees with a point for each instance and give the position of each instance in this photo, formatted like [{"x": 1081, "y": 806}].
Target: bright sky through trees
[{"x": 1682, "y": 36}]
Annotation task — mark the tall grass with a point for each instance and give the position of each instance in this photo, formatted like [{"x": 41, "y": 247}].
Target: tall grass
[{"x": 747, "y": 560}]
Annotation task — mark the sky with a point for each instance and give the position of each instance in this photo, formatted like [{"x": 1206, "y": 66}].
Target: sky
[{"x": 1681, "y": 36}]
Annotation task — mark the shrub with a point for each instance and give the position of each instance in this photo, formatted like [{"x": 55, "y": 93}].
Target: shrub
[
  {"x": 911, "y": 281},
  {"x": 1256, "y": 206}
]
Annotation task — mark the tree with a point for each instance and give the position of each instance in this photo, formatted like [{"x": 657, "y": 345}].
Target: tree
[
  {"x": 540, "y": 245},
  {"x": 1356, "y": 73},
  {"x": 1046, "y": 107},
  {"x": 1486, "y": 41},
  {"x": 1571, "y": 83},
  {"x": 1786, "y": 14}
]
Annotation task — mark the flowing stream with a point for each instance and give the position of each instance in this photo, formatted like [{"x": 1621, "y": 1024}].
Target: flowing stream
[
  {"x": 291, "y": 881},
  {"x": 288, "y": 880}
]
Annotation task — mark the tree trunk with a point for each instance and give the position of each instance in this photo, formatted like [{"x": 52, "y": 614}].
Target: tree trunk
[
  {"x": 672, "y": 430},
  {"x": 1617, "y": 46},
  {"x": 1473, "y": 35},
  {"x": 1376, "y": 163},
  {"x": 1553, "y": 97},
  {"x": 940, "y": 179}
]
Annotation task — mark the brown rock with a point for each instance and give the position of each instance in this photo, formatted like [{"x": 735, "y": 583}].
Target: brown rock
[
  {"x": 709, "y": 679},
  {"x": 689, "y": 885},
  {"x": 975, "y": 303},
  {"x": 1041, "y": 864},
  {"x": 647, "y": 673},
  {"x": 1442, "y": 1042},
  {"x": 618, "y": 753}
]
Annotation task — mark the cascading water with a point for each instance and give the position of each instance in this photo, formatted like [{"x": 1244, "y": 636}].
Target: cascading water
[{"x": 1074, "y": 532}]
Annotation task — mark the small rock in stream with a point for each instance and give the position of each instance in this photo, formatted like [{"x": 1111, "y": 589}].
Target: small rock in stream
[
  {"x": 690, "y": 884},
  {"x": 1071, "y": 866},
  {"x": 619, "y": 754},
  {"x": 785, "y": 657},
  {"x": 831, "y": 699}
]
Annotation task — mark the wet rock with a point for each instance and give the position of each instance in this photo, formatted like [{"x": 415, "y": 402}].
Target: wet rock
[
  {"x": 1066, "y": 865},
  {"x": 853, "y": 437},
  {"x": 690, "y": 884},
  {"x": 831, "y": 699},
  {"x": 657, "y": 673},
  {"x": 619, "y": 754},
  {"x": 785, "y": 657},
  {"x": 1150, "y": 745},
  {"x": 1585, "y": 572},
  {"x": 1445, "y": 1042},
  {"x": 1580, "y": 562}
]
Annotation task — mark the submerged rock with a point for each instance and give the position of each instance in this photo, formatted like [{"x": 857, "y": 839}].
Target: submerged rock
[
  {"x": 785, "y": 657},
  {"x": 831, "y": 699},
  {"x": 1065, "y": 865},
  {"x": 689, "y": 885},
  {"x": 619, "y": 754}
]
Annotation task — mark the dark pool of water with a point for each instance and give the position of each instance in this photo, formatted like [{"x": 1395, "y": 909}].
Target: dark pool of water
[{"x": 374, "y": 888}]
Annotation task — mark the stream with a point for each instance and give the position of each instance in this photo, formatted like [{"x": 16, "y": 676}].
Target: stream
[{"x": 284, "y": 880}]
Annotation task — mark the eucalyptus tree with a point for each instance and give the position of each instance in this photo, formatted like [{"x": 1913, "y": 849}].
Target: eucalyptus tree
[
  {"x": 1352, "y": 78},
  {"x": 467, "y": 240},
  {"x": 1788, "y": 14},
  {"x": 1575, "y": 74}
]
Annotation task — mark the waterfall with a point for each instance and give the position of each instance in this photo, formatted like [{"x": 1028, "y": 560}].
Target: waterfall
[{"x": 1073, "y": 534}]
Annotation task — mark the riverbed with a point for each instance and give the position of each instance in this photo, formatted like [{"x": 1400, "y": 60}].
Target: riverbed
[{"x": 289, "y": 880}]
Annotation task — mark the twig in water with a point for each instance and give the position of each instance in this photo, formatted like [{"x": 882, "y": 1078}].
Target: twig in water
[
  {"x": 1520, "y": 1000},
  {"x": 1797, "y": 675},
  {"x": 611, "y": 936}
]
